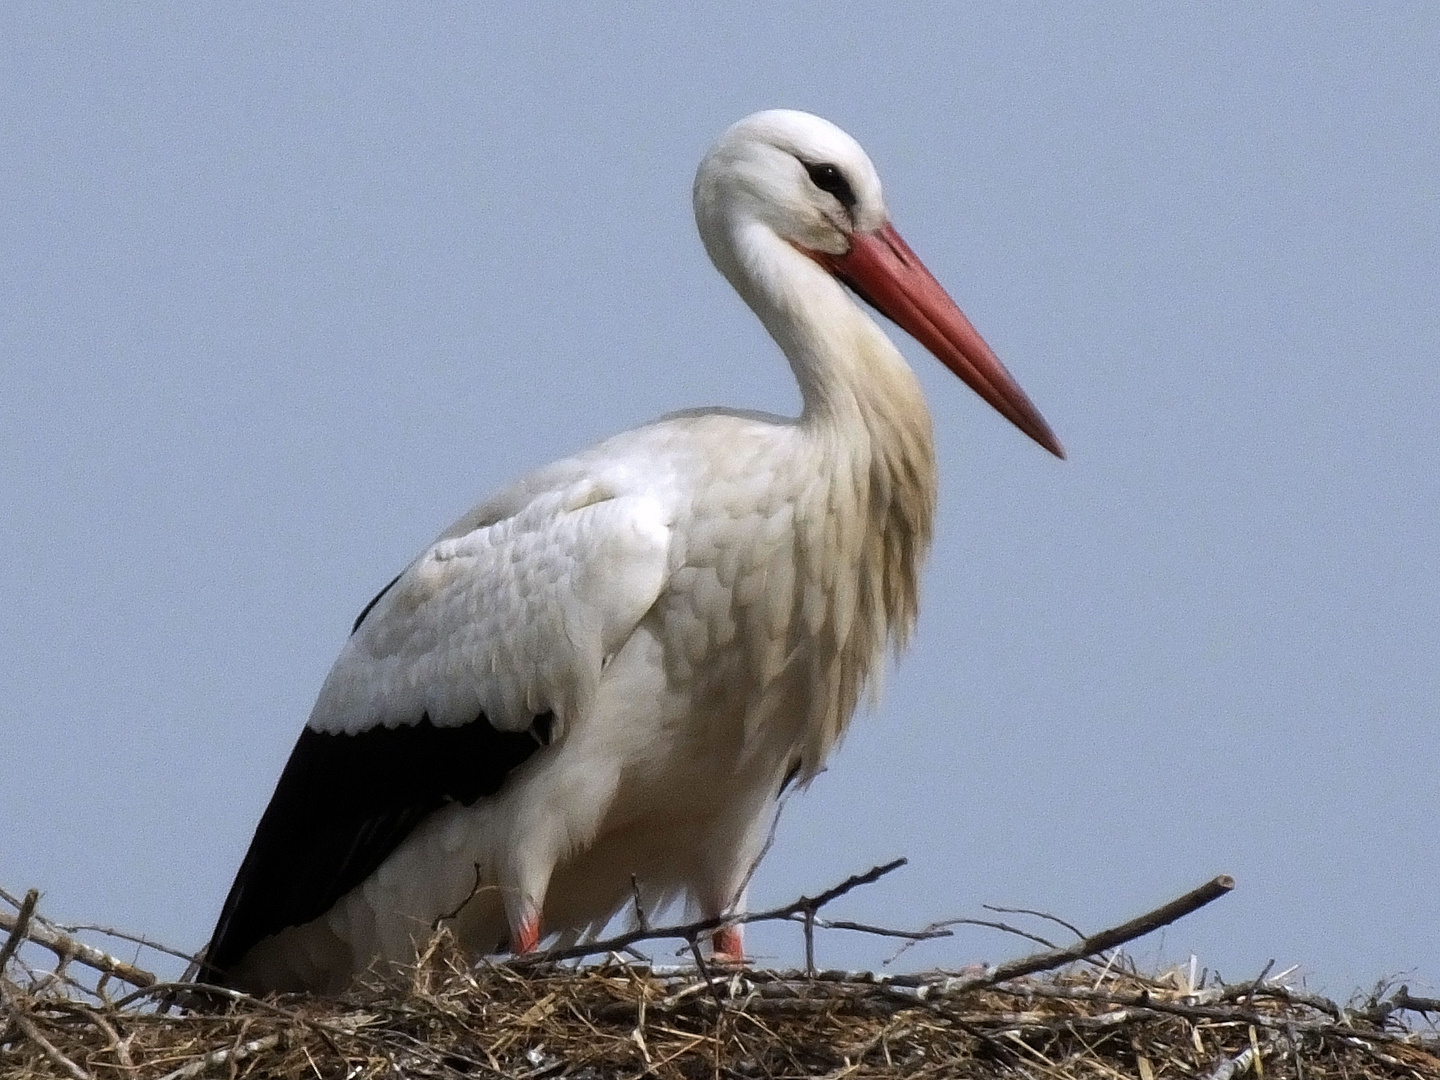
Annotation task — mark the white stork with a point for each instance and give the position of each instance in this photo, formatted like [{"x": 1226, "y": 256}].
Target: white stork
[{"x": 615, "y": 666}]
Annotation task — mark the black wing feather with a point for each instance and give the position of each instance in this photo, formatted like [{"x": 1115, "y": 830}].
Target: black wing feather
[{"x": 343, "y": 804}]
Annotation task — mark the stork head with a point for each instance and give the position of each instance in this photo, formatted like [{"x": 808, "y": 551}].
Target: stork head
[
  {"x": 812, "y": 186},
  {"x": 800, "y": 175}
]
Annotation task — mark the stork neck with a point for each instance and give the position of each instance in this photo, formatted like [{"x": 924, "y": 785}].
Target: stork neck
[
  {"x": 848, "y": 370},
  {"x": 863, "y": 534}
]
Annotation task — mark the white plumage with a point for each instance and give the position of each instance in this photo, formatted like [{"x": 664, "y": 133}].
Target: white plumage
[
  {"x": 611, "y": 668},
  {"x": 509, "y": 620}
]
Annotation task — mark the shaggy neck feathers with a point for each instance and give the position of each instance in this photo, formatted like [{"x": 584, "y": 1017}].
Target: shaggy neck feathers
[{"x": 865, "y": 523}]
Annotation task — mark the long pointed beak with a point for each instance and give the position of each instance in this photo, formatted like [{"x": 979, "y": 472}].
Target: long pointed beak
[{"x": 883, "y": 270}]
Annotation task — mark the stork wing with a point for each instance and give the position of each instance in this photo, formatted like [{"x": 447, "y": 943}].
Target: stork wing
[{"x": 475, "y": 657}]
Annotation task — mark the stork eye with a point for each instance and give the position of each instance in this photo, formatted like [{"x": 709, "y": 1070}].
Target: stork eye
[{"x": 828, "y": 178}]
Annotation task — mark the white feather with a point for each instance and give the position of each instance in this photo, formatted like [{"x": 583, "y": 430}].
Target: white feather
[{"x": 509, "y": 620}]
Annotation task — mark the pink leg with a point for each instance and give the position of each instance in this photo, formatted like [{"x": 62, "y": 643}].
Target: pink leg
[
  {"x": 728, "y": 946},
  {"x": 527, "y": 936}
]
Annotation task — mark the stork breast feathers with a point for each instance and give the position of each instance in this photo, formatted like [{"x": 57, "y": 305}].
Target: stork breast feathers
[{"x": 509, "y": 621}]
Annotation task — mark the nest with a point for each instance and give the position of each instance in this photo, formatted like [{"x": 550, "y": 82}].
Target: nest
[{"x": 619, "y": 1016}]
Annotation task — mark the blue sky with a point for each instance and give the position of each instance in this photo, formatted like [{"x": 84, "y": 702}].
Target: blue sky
[{"x": 283, "y": 292}]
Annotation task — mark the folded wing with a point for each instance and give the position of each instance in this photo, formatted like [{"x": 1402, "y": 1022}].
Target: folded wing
[{"x": 471, "y": 662}]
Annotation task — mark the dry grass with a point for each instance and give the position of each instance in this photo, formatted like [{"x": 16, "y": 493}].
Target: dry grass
[{"x": 623, "y": 1018}]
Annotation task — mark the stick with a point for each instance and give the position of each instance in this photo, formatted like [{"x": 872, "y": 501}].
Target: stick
[
  {"x": 704, "y": 970},
  {"x": 1400, "y": 1001},
  {"x": 701, "y": 926},
  {"x": 874, "y": 874},
  {"x": 1038, "y": 914},
  {"x": 435, "y": 924},
  {"x": 939, "y": 929},
  {"x": 640, "y": 920},
  {"x": 764, "y": 848},
  {"x": 17, "y": 931},
  {"x": 33, "y": 1033},
  {"x": 1404, "y": 1000},
  {"x": 927, "y": 934},
  {"x": 222, "y": 1057},
  {"x": 809, "y": 919},
  {"x": 1242, "y": 1061},
  {"x": 66, "y": 948},
  {"x": 1164, "y": 915},
  {"x": 238, "y": 997},
  {"x": 990, "y": 924},
  {"x": 122, "y": 935},
  {"x": 1147, "y": 1002},
  {"x": 117, "y": 1044}
]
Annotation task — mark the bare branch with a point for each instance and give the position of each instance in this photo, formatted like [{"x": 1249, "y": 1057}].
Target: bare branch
[
  {"x": 808, "y": 918},
  {"x": 1107, "y": 939},
  {"x": 640, "y": 920},
  {"x": 704, "y": 970},
  {"x": 1400, "y": 1001},
  {"x": 121, "y": 935},
  {"x": 451, "y": 916},
  {"x": 67, "y": 948},
  {"x": 1404, "y": 1000},
  {"x": 17, "y": 931},
  {"x": 1006, "y": 927},
  {"x": 687, "y": 931},
  {"x": 874, "y": 874},
  {"x": 939, "y": 929},
  {"x": 765, "y": 848},
  {"x": 1038, "y": 914},
  {"x": 928, "y": 933}
]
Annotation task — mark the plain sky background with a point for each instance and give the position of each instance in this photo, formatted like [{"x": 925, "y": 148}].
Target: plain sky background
[{"x": 284, "y": 290}]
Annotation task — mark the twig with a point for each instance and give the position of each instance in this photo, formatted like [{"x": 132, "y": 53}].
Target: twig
[
  {"x": 808, "y": 918},
  {"x": 807, "y": 907},
  {"x": 640, "y": 920},
  {"x": 1280, "y": 991},
  {"x": 938, "y": 929},
  {"x": 934, "y": 930},
  {"x": 1106, "y": 939},
  {"x": 34, "y": 1034},
  {"x": 17, "y": 931},
  {"x": 1259, "y": 981},
  {"x": 222, "y": 1057},
  {"x": 686, "y": 931},
  {"x": 1188, "y": 1009},
  {"x": 1006, "y": 927},
  {"x": 1038, "y": 914},
  {"x": 121, "y": 935},
  {"x": 237, "y": 997},
  {"x": 764, "y": 848},
  {"x": 704, "y": 970},
  {"x": 874, "y": 874},
  {"x": 1237, "y": 1065},
  {"x": 67, "y": 948},
  {"x": 452, "y": 915},
  {"x": 117, "y": 1045},
  {"x": 13, "y": 901},
  {"x": 1404, "y": 1000},
  {"x": 1400, "y": 1001}
]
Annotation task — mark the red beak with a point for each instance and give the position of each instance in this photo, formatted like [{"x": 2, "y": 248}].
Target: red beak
[{"x": 882, "y": 269}]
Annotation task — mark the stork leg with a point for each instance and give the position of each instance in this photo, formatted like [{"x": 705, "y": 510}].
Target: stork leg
[
  {"x": 728, "y": 946},
  {"x": 523, "y": 885},
  {"x": 527, "y": 935}
]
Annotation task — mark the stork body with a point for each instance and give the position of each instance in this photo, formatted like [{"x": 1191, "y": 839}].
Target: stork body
[{"x": 609, "y": 671}]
